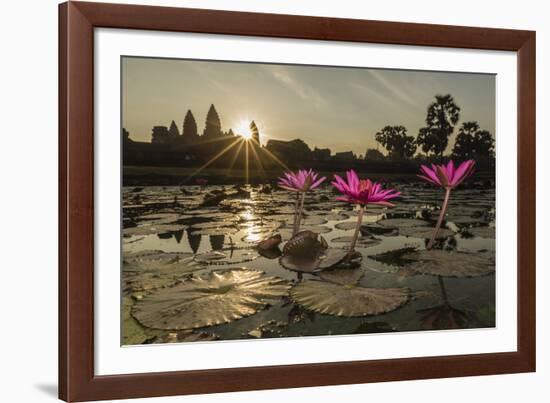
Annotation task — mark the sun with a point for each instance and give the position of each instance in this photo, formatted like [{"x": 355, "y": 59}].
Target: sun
[{"x": 243, "y": 130}]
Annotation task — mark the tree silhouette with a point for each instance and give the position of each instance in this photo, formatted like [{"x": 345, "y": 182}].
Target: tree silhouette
[
  {"x": 442, "y": 116},
  {"x": 373, "y": 155},
  {"x": 395, "y": 140},
  {"x": 472, "y": 142},
  {"x": 189, "y": 130}
]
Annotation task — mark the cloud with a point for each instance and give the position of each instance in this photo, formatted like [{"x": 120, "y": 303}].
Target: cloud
[{"x": 283, "y": 75}]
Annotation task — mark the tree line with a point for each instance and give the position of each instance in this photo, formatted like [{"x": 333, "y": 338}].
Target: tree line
[{"x": 432, "y": 139}]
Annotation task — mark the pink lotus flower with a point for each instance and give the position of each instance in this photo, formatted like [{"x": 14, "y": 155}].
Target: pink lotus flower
[
  {"x": 301, "y": 181},
  {"x": 447, "y": 176},
  {"x": 201, "y": 181},
  {"x": 363, "y": 191}
]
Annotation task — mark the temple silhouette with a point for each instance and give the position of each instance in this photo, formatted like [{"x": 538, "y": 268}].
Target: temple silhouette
[{"x": 219, "y": 148}]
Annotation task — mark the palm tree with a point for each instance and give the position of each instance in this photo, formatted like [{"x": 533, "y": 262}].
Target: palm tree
[{"x": 441, "y": 118}]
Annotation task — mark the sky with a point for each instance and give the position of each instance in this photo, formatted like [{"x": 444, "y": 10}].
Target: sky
[{"x": 340, "y": 108}]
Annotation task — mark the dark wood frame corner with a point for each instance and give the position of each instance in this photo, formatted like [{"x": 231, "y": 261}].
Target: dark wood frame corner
[{"x": 77, "y": 381}]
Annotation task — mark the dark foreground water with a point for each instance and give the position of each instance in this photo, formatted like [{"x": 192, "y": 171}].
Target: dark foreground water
[{"x": 191, "y": 270}]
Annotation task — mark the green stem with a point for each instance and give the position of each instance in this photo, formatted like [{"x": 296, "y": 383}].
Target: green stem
[
  {"x": 440, "y": 219},
  {"x": 299, "y": 215},
  {"x": 295, "y": 213},
  {"x": 357, "y": 228}
]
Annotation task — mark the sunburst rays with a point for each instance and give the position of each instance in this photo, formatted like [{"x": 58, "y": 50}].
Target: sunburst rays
[{"x": 252, "y": 149}]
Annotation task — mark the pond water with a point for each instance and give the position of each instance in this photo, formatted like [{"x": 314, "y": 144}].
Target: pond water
[{"x": 192, "y": 271}]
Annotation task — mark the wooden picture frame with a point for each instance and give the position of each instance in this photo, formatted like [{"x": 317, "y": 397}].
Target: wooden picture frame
[{"x": 77, "y": 21}]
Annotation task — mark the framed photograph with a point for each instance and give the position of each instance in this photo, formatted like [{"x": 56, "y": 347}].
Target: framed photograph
[{"x": 257, "y": 201}]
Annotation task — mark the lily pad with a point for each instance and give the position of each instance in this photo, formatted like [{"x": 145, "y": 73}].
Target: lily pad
[
  {"x": 132, "y": 331},
  {"x": 220, "y": 297},
  {"x": 346, "y": 226},
  {"x": 343, "y": 276},
  {"x": 346, "y": 300},
  {"x": 377, "y": 229},
  {"x": 184, "y": 336},
  {"x": 425, "y": 232},
  {"x": 451, "y": 264},
  {"x": 362, "y": 241},
  {"x": 152, "y": 229},
  {"x": 227, "y": 255},
  {"x": 148, "y": 270},
  {"x": 482, "y": 232},
  {"x": 323, "y": 259},
  {"x": 403, "y": 222}
]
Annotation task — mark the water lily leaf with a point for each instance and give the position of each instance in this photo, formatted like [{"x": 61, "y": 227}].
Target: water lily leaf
[
  {"x": 450, "y": 264},
  {"x": 270, "y": 243},
  {"x": 302, "y": 264},
  {"x": 403, "y": 222},
  {"x": 377, "y": 229},
  {"x": 335, "y": 216},
  {"x": 219, "y": 297},
  {"x": 215, "y": 231},
  {"x": 332, "y": 257},
  {"x": 286, "y": 233},
  {"x": 346, "y": 226},
  {"x": 132, "y": 331},
  {"x": 304, "y": 243},
  {"x": 482, "y": 232},
  {"x": 345, "y": 300},
  {"x": 148, "y": 270},
  {"x": 152, "y": 229},
  {"x": 425, "y": 232},
  {"x": 362, "y": 241},
  {"x": 343, "y": 276},
  {"x": 374, "y": 327},
  {"x": 227, "y": 255},
  {"x": 184, "y": 336}
]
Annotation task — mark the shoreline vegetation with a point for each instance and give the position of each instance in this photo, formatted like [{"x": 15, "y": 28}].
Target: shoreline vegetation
[{"x": 174, "y": 176}]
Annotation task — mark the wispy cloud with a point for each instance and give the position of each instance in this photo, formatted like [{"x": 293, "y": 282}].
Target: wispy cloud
[
  {"x": 283, "y": 75},
  {"x": 392, "y": 89}
]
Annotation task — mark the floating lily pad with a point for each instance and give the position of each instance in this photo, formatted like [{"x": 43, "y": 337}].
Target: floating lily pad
[
  {"x": 322, "y": 229},
  {"x": 346, "y": 226},
  {"x": 346, "y": 300},
  {"x": 305, "y": 243},
  {"x": 132, "y": 331},
  {"x": 152, "y": 229},
  {"x": 184, "y": 336},
  {"x": 425, "y": 232},
  {"x": 322, "y": 259},
  {"x": 450, "y": 264},
  {"x": 377, "y": 229},
  {"x": 403, "y": 222},
  {"x": 219, "y": 297},
  {"x": 483, "y": 232},
  {"x": 227, "y": 255},
  {"x": 362, "y": 241},
  {"x": 215, "y": 231},
  {"x": 270, "y": 243},
  {"x": 335, "y": 216},
  {"x": 148, "y": 270},
  {"x": 343, "y": 276}
]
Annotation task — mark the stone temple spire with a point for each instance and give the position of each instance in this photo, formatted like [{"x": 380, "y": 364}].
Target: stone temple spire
[
  {"x": 213, "y": 126},
  {"x": 255, "y": 132},
  {"x": 189, "y": 131}
]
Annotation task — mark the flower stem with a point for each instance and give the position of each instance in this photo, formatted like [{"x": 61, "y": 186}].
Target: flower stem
[
  {"x": 299, "y": 213},
  {"x": 357, "y": 228},
  {"x": 295, "y": 214},
  {"x": 440, "y": 219}
]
